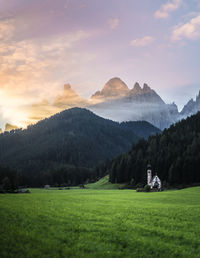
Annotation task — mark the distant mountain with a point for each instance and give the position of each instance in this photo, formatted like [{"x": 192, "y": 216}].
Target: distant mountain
[
  {"x": 9, "y": 127},
  {"x": 119, "y": 103},
  {"x": 116, "y": 102},
  {"x": 68, "y": 99},
  {"x": 114, "y": 88},
  {"x": 192, "y": 107},
  {"x": 174, "y": 156}
]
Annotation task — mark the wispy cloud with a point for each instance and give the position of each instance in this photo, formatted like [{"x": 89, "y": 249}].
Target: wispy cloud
[
  {"x": 28, "y": 68},
  {"x": 189, "y": 30},
  {"x": 6, "y": 30},
  {"x": 113, "y": 23},
  {"x": 167, "y": 8},
  {"x": 142, "y": 42}
]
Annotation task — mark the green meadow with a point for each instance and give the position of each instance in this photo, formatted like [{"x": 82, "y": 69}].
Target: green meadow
[{"x": 100, "y": 223}]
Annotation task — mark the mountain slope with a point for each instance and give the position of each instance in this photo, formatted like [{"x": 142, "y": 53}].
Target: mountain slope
[
  {"x": 174, "y": 156},
  {"x": 141, "y": 128},
  {"x": 74, "y": 137}
]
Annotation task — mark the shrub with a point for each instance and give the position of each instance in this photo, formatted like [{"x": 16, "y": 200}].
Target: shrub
[
  {"x": 139, "y": 185},
  {"x": 132, "y": 182},
  {"x": 147, "y": 188},
  {"x": 140, "y": 190}
]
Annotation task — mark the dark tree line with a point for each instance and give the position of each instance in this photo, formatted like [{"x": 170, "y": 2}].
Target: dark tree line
[
  {"x": 174, "y": 156},
  {"x": 75, "y": 137},
  {"x": 63, "y": 175},
  {"x": 66, "y": 148}
]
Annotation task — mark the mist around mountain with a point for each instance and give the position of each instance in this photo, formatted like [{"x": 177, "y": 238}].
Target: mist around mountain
[
  {"x": 174, "y": 156},
  {"x": 133, "y": 104},
  {"x": 70, "y": 144},
  {"x": 118, "y": 102}
]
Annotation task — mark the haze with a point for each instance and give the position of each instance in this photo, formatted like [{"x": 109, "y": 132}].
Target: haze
[{"x": 45, "y": 44}]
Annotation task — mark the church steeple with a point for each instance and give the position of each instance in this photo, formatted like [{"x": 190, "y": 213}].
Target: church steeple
[{"x": 149, "y": 174}]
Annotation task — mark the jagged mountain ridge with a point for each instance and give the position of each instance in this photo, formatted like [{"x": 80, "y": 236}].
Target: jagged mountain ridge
[
  {"x": 192, "y": 107},
  {"x": 134, "y": 104},
  {"x": 114, "y": 88},
  {"x": 119, "y": 103}
]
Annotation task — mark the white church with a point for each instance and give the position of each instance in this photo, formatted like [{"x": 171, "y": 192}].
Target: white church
[{"x": 155, "y": 182}]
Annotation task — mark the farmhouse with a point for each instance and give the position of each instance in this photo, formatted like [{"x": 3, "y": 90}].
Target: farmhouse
[{"x": 155, "y": 182}]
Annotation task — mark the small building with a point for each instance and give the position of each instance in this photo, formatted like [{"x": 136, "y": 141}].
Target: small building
[{"x": 155, "y": 182}]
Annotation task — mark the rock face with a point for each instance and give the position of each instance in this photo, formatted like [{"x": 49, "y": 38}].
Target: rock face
[
  {"x": 113, "y": 89},
  {"x": 68, "y": 99},
  {"x": 120, "y": 103},
  {"x": 191, "y": 107}
]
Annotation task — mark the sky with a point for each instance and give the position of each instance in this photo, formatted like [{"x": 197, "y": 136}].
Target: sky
[{"x": 45, "y": 44}]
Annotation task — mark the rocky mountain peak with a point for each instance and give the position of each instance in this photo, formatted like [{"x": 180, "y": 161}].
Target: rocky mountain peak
[
  {"x": 114, "y": 88},
  {"x": 67, "y": 86},
  {"x": 137, "y": 89},
  {"x": 198, "y": 97},
  {"x": 192, "y": 107},
  {"x": 68, "y": 98},
  {"x": 146, "y": 88}
]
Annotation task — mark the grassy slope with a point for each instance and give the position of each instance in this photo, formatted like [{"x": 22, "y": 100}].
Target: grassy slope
[
  {"x": 103, "y": 183},
  {"x": 98, "y": 223}
]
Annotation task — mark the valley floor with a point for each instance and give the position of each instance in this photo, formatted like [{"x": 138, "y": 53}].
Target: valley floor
[{"x": 100, "y": 223}]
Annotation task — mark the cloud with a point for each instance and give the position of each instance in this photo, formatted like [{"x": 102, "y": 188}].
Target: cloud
[
  {"x": 189, "y": 30},
  {"x": 167, "y": 8},
  {"x": 6, "y": 30},
  {"x": 142, "y": 42},
  {"x": 34, "y": 69},
  {"x": 113, "y": 23}
]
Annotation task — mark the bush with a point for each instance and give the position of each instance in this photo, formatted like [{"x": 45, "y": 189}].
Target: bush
[
  {"x": 139, "y": 185},
  {"x": 147, "y": 188},
  {"x": 132, "y": 182},
  {"x": 140, "y": 190}
]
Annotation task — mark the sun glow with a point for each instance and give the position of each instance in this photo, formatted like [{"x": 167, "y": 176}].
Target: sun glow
[{"x": 12, "y": 112}]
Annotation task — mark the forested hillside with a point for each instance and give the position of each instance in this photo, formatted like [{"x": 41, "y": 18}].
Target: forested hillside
[
  {"x": 66, "y": 147},
  {"x": 174, "y": 156},
  {"x": 142, "y": 129},
  {"x": 74, "y": 137}
]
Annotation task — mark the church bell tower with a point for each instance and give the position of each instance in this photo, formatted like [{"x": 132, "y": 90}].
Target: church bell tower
[{"x": 149, "y": 175}]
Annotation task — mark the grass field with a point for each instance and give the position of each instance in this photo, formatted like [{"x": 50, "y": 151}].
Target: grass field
[
  {"x": 100, "y": 223},
  {"x": 104, "y": 183}
]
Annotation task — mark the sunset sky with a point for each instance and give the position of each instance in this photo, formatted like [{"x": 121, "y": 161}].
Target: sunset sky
[{"x": 46, "y": 43}]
